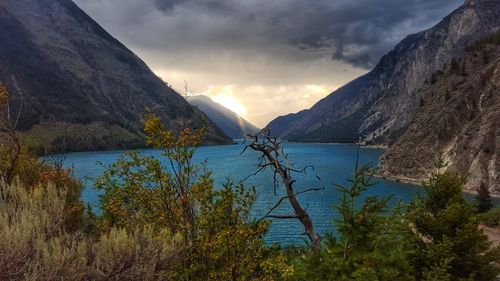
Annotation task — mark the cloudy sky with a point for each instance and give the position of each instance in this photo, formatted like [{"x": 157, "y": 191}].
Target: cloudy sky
[{"x": 263, "y": 58}]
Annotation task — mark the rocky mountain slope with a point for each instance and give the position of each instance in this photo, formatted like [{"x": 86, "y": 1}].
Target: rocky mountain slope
[
  {"x": 458, "y": 114},
  {"x": 71, "y": 77},
  {"x": 379, "y": 105},
  {"x": 229, "y": 122}
]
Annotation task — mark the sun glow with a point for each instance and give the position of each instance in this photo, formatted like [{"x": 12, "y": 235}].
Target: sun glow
[
  {"x": 223, "y": 95},
  {"x": 232, "y": 103}
]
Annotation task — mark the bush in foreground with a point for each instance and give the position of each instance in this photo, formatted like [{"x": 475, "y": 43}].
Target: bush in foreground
[
  {"x": 172, "y": 194},
  {"x": 36, "y": 246}
]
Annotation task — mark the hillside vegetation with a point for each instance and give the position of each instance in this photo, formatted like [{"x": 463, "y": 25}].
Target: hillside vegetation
[
  {"x": 72, "y": 80},
  {"x": 458, "y": 114}
]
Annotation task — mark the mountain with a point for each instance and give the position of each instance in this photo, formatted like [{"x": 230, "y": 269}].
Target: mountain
[
  {"x": 78, "y": 85},
  {"x": 458, "y": 114},
  {"x": 230, "y": 123},
  {"x": 379, "y": 105}
]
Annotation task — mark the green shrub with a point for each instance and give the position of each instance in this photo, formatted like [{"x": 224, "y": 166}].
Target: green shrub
[
  {"x": 371, "y": 244},
  {"x": 491, "y": 218},
  {"x": 29, "y": 223},
  {"x": 17, "y": 162}
]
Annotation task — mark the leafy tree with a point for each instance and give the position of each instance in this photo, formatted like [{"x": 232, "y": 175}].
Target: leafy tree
[
  {"x": 448, "y": 245},
  {"x": 483, "y": 199},
  {"x": 173, "y": 193},
  {"x": 371, "y": 241}
]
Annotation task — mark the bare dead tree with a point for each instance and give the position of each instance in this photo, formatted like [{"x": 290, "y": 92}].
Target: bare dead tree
[
  {"x": 8, "y": 130},
  {"x": 273, "y": 157},
  {"x": 58, "y": 155},
  {"x": 186, "y": 92}
]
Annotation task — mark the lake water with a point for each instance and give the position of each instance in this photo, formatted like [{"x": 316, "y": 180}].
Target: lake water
[{"x": 334, "y": 164}]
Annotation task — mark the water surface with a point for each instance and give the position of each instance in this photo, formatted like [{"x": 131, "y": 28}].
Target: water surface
[{"x": 333, "y": 163}]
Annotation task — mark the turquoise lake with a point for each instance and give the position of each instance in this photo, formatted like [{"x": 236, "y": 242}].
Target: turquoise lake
[{"x": 333, "y": 163}]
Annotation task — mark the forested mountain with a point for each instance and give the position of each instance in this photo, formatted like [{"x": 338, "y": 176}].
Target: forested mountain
[{"x": 77, "y": 84}]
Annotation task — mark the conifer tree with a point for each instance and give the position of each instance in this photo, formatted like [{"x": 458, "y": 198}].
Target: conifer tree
[
  {"x": 483, "y": 199},
  {"x": 371, "y": 242},
  {"x": 448, "y": 243}
]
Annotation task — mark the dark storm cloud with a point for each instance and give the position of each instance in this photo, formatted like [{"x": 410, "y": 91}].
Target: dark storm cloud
[
  {"x": 216, "y": 6},
  {"x": 357, "y": 32},
  {"x": 167, "y": 5},
  {"x": 275, "y": 56},
  {"x": 360, "y": 32}
]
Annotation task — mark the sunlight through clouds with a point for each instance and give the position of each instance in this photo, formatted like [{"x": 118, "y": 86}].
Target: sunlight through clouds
[
  {"x": 261, "y": 103},
  {"x": 225, "y": 96},
  {"x": 257, "y": 103}
]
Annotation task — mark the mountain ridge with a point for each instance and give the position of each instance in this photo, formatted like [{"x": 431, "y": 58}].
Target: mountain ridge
[
  {"x": 379, "y": 105},
  {"x": 228, "y": 121},
  {"x": 67, "y": 71},
  {"x": 458, "y": 116}
]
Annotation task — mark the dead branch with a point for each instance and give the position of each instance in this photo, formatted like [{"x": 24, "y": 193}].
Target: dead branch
[
  {"x": 272, "y": 156},
  {"x": 282, "y": 199},
  {"x": 283, "y": 217}
]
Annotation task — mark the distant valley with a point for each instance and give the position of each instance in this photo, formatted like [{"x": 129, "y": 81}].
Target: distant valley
[{"x": 228, "y": 121}]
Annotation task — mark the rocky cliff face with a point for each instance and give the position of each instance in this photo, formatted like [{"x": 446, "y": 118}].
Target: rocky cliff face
[
  {"x": 229, "y": 122},
  {"x": 70, "y": 75},
  {"x": 379, "y": 105},
  {"x": 459, "y": 115}
]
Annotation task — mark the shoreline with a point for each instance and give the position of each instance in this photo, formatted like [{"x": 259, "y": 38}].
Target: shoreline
[
  {"x": 420, "y": 183},
  {"x": 396, "y": 179},
  {"x": 138, "y": 147},
  {"x": 376, "y": 146},
  {"x": 372, "y": 146}
]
